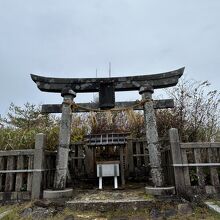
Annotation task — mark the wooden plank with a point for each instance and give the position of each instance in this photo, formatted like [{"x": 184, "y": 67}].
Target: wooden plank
[
  {"x": 185, "y": 169},
  {"x": 80, "y": 161},
  {"x": 53, "y": 168},
  {"x": 47, "y": 173},
  {"x": 122, "y": 166},
  {"x": 140, "y": 155},
  {"x": 197, "y": 165},
  {"x": 9, "y": 181},
  {"x": 19, "y": 176},
  {"x": 170, "y": 168},
  {"x": 199, "y": 145},
  {"x": 177, "y": 159},
  {"x": 89, "y": 163},
  {"x": 212, "y": 158},
  {"x": 52, "y": 153},
  {"x": 17, "y": 152},
  {"x": 130, "y": 156},
  {"x": 14, "y": 196},
  {"x": 94, "y": 159},
  {"x": 199, "y": 170},
  {"x": 215, "y": 145},
  {"x": 138, "y": 152},
  {"x": 2, "y": 159},
  {"x": 126, "y": 161},
  {"x": 30, "y": 175}
]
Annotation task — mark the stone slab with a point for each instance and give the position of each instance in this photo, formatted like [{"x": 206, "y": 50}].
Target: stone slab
[
  {"x": 56, "y": 194},
  {"x": 159, "y": 191},
  {"x": 213, "y": 206}
]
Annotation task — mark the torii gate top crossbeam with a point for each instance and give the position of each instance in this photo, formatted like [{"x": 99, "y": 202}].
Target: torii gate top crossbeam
[{"x": 82, "y": 85}]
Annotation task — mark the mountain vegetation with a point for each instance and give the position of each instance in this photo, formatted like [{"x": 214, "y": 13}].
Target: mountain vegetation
[{"x": 196, "y": 115}]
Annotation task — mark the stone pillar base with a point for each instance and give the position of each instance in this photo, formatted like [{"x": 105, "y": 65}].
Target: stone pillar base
[
  {"x": 56, "y": 194},
  {"x": 159, "y": 191}
]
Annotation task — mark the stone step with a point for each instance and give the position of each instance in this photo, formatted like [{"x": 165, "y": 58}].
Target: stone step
[{"x": 113, "y": 205}]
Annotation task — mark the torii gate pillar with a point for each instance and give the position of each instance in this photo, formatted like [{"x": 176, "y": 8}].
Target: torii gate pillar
[
  {"x": 152, "y": 136},
  {"x": 64, "y": 139}
]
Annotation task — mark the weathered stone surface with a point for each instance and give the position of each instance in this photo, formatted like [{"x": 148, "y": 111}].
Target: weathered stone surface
[
  {"x": 57, "y": 108},
  {"x": 170, "y": 213},
  {"x": 185, "y": 209},
  {"x": 152, "y": 138},
  {"x": 37, "y": 212},
  {"x": 158, "y": 191},
  {"x": 42, "y": 203},
  {"x": 4, "y": 214},
  {"x": 162, "y": 80},
  {"x": 40, "y": 213},
  {"x": 56, "y": 194},
  {"x": 40, "y": 143},
  {"x": 26, "y": 212},
  {"x": 64, "y": 141},
  {"x": 210, "y": 190},
  {"x": 155, "y": 214}
]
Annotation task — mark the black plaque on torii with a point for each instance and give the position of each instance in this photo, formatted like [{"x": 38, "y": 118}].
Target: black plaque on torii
[{"x": 108, "y": 86}]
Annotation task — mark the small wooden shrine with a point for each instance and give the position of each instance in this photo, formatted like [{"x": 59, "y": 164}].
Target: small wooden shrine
[{"x": 111, "y": 156}]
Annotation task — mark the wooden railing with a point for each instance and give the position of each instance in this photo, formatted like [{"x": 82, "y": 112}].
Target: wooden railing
[
  {"x": 138, "y": 160},
  {"x": 137, "y": 157},
  {"x": 196, "y": 165},
  {"x": 24, "y": 173},
  {"x": 16, "y": 172}
]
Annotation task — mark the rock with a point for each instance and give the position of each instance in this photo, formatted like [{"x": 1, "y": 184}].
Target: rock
[
  {"x": 4, "y": 214},
  {"x": 42, "y": 203},
  {"x": 170, "y": 213},
  {"x": 58, "y": 203},
  {"x": 40, "y": 213},
  {"x": 26, "y": 212},
  {"x": 59, "y": 208},
  {"x": 155, "y": 214},
  {"x": 185, "y": 209},
  {"x": 52, "y": 211},
  {"x": 69, "y": 217}
]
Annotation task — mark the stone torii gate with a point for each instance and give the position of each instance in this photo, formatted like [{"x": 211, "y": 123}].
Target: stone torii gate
[{"x": 69, "y": 87}]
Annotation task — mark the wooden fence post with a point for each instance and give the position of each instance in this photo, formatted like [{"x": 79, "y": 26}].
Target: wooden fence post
[
  {"x": 177, "y": 159},
  {"x": 37, "y": 179},
  {"x": 130, "y": 156}
]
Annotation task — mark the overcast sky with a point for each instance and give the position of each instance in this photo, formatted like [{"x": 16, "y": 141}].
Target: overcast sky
[{"x": 69, "y": 38}]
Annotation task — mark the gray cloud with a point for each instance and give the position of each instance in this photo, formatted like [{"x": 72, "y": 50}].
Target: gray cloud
[{"x": 72, "y": 38}]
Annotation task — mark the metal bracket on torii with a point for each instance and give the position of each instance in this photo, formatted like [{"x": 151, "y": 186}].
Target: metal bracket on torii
[{"x": 145, "y": 84}]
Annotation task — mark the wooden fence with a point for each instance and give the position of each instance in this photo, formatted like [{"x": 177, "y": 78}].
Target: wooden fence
[
  {"x": 16, "y": 173},
  {"x": 196, "y": 165},
  {"x": 190, "y": 166},
  {"x": 137, "y": 160},
  {"x": 24, "y": 173}
]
